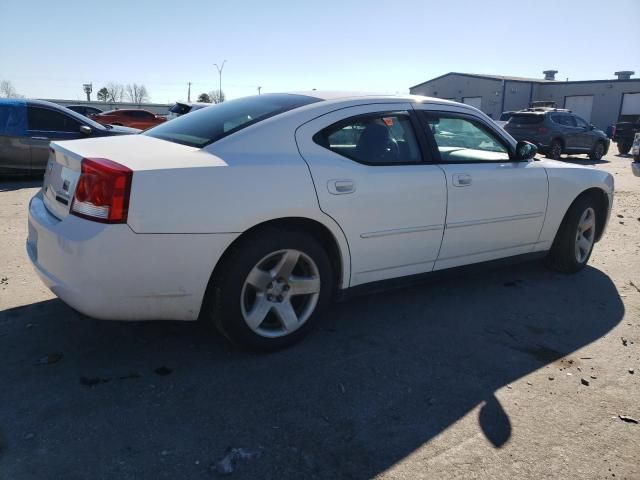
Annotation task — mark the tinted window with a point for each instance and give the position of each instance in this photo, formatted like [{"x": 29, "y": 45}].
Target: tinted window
[
  {"x": 381, "y": 139},
  {"x": 579, "y": 121},
  {"x": 49, "y": 120},
  {"x": 505, "y": 116},
  {"x": 180, "y": 108},
  {"x": 463, "y": 140},
  {"x": 525, "y": 119},
  {"x": 207, "y": 125}
]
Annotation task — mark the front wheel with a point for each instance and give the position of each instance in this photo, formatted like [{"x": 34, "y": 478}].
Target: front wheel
[
  {"x": 555, "y": 150},
  {"x": 273, "y": 286},
  {"x": 624, "y": 147},
  {"x": 576, "y": 236},
  {"x": 598, "y": 151}
]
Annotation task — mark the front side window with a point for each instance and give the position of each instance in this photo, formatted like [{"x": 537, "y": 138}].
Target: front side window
[
  {"x": 461, "y": 140},
  {"x": 378, "y": 139},
  {"x": 580, "y": 122},
  {"x": 43, "y": 119}
]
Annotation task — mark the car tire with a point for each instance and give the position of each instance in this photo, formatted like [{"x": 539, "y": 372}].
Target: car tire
[
  {"x": 576, "y": 236},
  {"x": 257, "y": 279},
  {"x": 555, "y": 150},
  {"x": 624, "y": 147},
  {"x": 598, "y": 151}
]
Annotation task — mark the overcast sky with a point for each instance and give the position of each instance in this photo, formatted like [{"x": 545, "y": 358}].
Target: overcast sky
[{"x": 48, "y": 49}]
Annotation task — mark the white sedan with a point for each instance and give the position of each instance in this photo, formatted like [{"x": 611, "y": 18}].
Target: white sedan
[{"x": 255, "y": 212}]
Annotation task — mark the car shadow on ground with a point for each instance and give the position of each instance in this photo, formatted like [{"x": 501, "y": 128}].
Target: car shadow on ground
[
  {"x": 382, "y": 376},
  {"x": 18, "y": 183}
]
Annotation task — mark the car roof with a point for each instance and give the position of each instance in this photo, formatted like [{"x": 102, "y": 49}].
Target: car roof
[{"x": 329, "y": 95}]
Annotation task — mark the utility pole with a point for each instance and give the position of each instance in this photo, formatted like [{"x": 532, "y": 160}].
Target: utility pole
[
  {"x": 259, "y": 88},
  {"x": 189, "y": 94},
  {"x": 88, "y": 88},
  {"x": 220, "y": 79}
]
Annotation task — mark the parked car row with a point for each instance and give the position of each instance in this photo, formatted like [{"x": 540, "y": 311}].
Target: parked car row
[{"x": 27, "y": 126}]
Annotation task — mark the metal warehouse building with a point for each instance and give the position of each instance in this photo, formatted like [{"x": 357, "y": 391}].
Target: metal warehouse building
[{"x": 600, "y": 102}]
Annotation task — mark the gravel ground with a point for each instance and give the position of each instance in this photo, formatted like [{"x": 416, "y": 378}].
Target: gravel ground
[{"x": 511, "y": 373}]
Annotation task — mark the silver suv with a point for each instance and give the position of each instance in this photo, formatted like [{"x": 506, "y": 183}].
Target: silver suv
[{"x": 557, "y": 131}]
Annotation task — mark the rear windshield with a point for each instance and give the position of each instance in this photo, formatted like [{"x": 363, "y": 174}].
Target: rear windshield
[
  {"x": 526, "y": 119},
  {"x": 180, "y": 108},
  {"x": 205, "y": 126}
]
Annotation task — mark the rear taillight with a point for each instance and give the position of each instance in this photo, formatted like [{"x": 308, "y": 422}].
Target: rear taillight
[{"x": 102, "y": 192}]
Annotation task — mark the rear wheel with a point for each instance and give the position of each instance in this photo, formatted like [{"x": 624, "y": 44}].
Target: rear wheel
[
  {"x": 598, "y": 151},
  {"x": 624, "y": 147},
  {"x": 574, "y": 241},
  {"x": 272, "y": 289},
  {"x": 555, "y": 150}
]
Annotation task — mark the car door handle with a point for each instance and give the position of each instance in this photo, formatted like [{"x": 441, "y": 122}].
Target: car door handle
[
  {"x": 40, "y": 138},
  {"x": 340, "y": 187},
  {"x": 461, "y": 179}
]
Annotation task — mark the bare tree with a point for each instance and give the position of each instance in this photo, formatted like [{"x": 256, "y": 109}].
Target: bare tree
[
  {"x": 217, "y": 96},
  {"x": 115, "y": 92},
  {"x": 7, "y": 90},
  {"x": 136, "y": 93},
  {"x": 204, "y": 98}
]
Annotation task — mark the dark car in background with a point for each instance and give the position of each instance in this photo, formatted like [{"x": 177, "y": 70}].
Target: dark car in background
[
  {"x": 556, "y": 131},
  {"x": 179, "y": 108},
  {"x": 624, "y": 134},
  {"x": 27, "y": 126},
  {"x": 84, "y": 110}
]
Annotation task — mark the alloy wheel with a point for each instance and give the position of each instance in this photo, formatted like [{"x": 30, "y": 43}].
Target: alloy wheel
[
  {"x": 599, "y": 151},
  {"x": 280, "y": 293},
  {"x": 585, "y": 235}
]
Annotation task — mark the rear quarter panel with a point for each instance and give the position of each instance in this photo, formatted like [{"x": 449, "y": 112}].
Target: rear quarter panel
[
  {"x": 566, "y": 183},
  {"x": 231, "y": 186}
]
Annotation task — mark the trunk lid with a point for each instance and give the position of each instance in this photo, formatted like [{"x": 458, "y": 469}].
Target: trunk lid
[{"x": 137, "y": 152}]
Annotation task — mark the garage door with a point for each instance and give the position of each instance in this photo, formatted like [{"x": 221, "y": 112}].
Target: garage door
[
  {"x": 473, "y": 101},
  {"x": 581, "y": 105},
  {"x": 631, "y": 104}
]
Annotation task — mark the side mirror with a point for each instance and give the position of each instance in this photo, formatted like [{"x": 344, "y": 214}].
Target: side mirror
[
  {"x": 85, "y": 129},
  {"x": 525, "y": 150}
]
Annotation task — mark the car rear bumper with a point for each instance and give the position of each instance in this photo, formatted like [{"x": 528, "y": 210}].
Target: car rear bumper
[{"x": 110, "y": 272}]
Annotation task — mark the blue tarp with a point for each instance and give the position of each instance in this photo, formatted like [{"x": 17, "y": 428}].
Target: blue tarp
[{"x": 13, "y": 116}]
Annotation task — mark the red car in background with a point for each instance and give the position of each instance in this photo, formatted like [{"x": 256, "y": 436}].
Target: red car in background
[{"x": 134, "y": 118}]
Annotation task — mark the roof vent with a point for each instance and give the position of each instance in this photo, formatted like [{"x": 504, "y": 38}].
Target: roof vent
[
  {"x": 624, "y": 74},
  {"x": 550, "y": 74}
]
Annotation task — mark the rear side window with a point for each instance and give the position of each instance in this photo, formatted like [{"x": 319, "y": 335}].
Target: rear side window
[
  {"x": 526, "y": 119},
  {"x": 379, "y": 139},
  {"x": 43, "y": 119},
  {"x": 564, "y": 119},
  {"x": 205, "y": 126}
]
